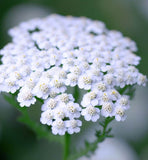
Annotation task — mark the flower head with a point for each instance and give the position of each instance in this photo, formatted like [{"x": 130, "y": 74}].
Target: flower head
[{"x": 47, "y": 57}]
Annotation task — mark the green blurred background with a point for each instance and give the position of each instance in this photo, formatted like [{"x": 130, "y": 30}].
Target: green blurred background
[{"x": 130, "y": 17}]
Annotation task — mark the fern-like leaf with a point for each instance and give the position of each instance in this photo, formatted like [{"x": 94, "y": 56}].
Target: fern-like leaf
[
  {"x": 90, "y": 147},
  {"x": 40, "y": 130}
]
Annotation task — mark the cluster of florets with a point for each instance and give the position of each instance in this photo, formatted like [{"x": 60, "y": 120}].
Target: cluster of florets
[{"x": 46, "y": 56}]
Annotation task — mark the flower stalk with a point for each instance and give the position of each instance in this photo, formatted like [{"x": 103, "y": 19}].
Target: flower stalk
[{"x": 66, "y": 146}]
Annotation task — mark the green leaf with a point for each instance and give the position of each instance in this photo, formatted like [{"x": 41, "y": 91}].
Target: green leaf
[
  {"x": 90, "y": 147},
  {"x": 42, "y": 131},
  {"x": 128, "y": 90}
]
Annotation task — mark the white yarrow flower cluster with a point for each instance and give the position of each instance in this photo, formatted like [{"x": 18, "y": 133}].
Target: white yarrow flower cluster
[
  {"x": 62, "y": 114},
  {"x": 46, "y": 56}
]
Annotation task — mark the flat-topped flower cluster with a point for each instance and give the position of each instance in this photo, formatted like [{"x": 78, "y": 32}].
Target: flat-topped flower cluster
[{"x": 46, "y": 56}]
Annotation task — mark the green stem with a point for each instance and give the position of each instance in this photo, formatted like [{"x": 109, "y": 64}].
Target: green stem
[
  {"x": 66, "y": 147},
  {"x": 76, "y": 93},
  {"x": 91, "y": 147},
  {"x": 67, "y": 136},
  {"x": 107, "y": 121}
]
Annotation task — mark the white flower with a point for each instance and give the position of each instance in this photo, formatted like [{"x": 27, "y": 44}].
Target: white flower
[
  {"x": 129, "y": 78},
  {"x": 59, "y": 113},
  {"x": 90, "y": 98},
  {"x": 84, "y": 65},
  {"x": 84, "y": 82},
  {"x": 37, "y": 64},
  {"x": 123, "y": 101},
  {"x": 76, "y": 70},
  {"x": 50, "y": 103},
  {"x": 68, "y": 63},
  {"x": 99, "y": 63},
  {"x": 109, "y": 79},
  {"x": 55, "y": 58},
  {"x": 142, "y": 80},
  {"x": 114, "y": 94},
  {"x": 73, "y": 126},
  {"x": 120, "y": 82},
  {"x": 30, "y": 82},
  {"x": 61, "y": 74},
  {"x": 72, "y": 110},
  {"x": 71, "y": 80},
  {"x": 105, "y": 97},
  {"x": 17, "y": 77},
  {"x": 58, "y": 127},
  {"x": 107, "y": 109},
  {"x": 25, "y": 97},
  {"x": 69, "y": 54},
  {"x": 120, "y": 113},
  {"x": 95, "y": 73},
  {"x": 65, "y": 98},
  {"x": 58, "y": 85},
  {"x": 36, "y": 74},
  {"x": 91, "y": 113},
  {"x": 99, "y": 87},
  {"x": 10, "y": 85},
  {"x": 25, "y": 71},
  {"x": 47, "y": 117},
  {"x": 42, "y": 89}
]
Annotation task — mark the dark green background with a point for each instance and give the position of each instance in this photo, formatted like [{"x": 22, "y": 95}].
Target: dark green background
[{"x": 17, "y": 142}]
